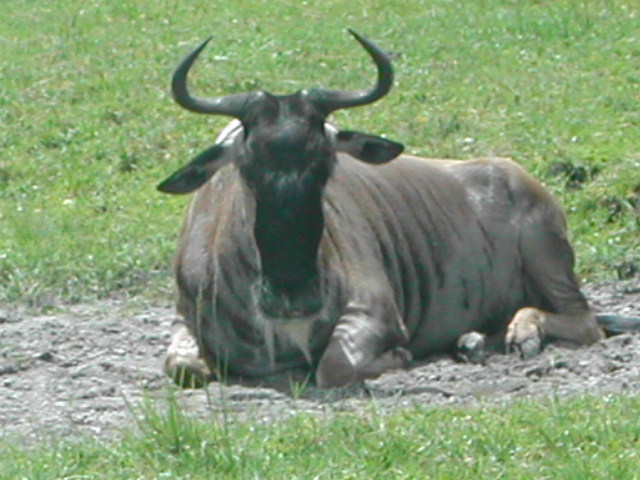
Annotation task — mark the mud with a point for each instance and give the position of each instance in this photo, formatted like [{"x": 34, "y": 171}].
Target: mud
[{"x": 78, "y": 371}]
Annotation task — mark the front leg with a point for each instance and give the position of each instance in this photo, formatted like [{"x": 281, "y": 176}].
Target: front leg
[
  {"x": 183, "y": 362},
  {"x": 362, "y": 346}
]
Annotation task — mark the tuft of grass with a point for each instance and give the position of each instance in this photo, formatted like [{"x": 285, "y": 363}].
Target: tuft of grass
[
  {"x": 580, "y": 438},
  {"x": 298, "y": 386},
  {"x": 87, "y": 128}
]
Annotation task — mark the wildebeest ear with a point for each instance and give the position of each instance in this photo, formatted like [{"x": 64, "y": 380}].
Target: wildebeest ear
[
  {"x": 198, "y": 171},
  {"x": 368, "y": 148}
]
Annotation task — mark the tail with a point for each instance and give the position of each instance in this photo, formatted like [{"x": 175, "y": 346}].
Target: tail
[{"x": 615, "y": 324}]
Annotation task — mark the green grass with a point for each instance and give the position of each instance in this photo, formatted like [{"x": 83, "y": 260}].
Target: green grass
[
  {"x": 582, "y": 438},
  {"x": 87, "y": 128}
]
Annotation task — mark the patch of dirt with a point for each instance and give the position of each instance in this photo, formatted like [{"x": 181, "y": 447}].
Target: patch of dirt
[{"x": 78, "y": 370}]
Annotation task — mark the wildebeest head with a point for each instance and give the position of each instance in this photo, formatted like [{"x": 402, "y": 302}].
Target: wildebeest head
[
  {"x": 285, "y": 153},
  {"x": 282, "y": 135}
]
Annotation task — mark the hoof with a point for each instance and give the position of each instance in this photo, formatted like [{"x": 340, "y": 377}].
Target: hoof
[
  {"x": 400, "y": 358},
  {"x": 183, "y": 363},
  {"x": 525, "y": 334},
  {"x": 471, "y": 348},
  {"x": 187, "y": 371}
]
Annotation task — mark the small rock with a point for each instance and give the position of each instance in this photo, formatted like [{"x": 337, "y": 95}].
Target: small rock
[
  {"x": 45, "y": 357},
  {"x": 538, "y": 371},
  {"x": 8, "y": 317}
]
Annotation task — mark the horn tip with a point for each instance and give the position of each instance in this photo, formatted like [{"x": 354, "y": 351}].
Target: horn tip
[
  {"x": 362, "y": 40},
  {"x": 355, "y": 34},
  {"x": 204, "y": 44}
]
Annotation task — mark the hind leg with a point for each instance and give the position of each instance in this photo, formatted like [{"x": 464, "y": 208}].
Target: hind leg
[
  {"x": 530, "y": 326},
  {"x": 559, "y": 308}
]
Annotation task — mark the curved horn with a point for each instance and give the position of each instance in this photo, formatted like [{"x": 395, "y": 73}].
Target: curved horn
[
  {"x": 231, "y": 105},
  {"x": 331, "y": 100}
]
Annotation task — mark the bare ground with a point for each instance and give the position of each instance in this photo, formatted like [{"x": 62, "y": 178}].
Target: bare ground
[{"x": 78, "y": 370}]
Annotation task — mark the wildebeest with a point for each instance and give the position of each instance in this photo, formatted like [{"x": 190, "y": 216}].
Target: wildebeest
[{"x": 307, "y": 245}]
